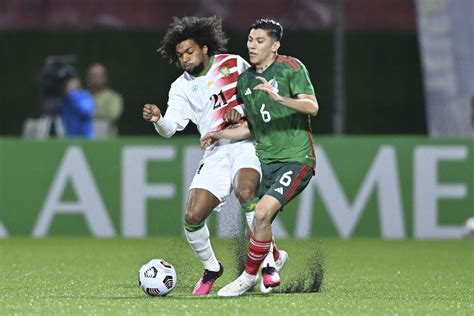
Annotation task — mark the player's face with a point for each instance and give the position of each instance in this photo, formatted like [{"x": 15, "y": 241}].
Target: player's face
[
  {"x": 191, "y": 57},
  {"x": 262, "y": 48}
]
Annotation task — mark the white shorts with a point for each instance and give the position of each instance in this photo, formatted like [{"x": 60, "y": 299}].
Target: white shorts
[{"x": 217, "y": 168}]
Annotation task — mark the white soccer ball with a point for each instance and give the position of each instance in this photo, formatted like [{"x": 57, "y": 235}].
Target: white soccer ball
[
  {"x": 469, "y": 227},
  {"x": 157, "y": 277}
]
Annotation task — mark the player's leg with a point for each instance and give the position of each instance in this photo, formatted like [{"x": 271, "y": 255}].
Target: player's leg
[
  {"x": 289, "y": 179},
  {"x": 246, "y": 181},
  {"x": 246, "y": 177},
  {"x": 200, "y": 204},
  {"x": 261, "y": 240},
  {"x": 245, "y": 186},
  {"x": 210, "y": 186},
  {"x": 259, "y": 247}
]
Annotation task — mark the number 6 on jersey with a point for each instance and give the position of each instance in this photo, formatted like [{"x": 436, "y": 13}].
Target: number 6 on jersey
[
  {"x": 286, "y": 178},
  {"x": 265, "y": 114}
]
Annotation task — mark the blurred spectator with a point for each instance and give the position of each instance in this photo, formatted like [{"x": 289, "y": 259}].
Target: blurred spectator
[
  {"x": 76, "y": 108},
  {"x": 67, "y": 109},
  {"x": 108, "y": 103}
]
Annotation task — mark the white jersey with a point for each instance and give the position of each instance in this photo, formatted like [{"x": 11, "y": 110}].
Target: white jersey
[{"x": 204, "y": 99}]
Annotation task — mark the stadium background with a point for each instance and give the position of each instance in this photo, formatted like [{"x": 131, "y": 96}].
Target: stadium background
[
  {"x": 383, "y": 71},
  {"x": 378, "y": 82},
  {"x": 380, "y": 230}
]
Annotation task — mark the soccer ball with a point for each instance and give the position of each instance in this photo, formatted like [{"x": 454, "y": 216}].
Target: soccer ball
[
  {"x": 469, "y": 228},
  {"x": 157, "y": 277}
]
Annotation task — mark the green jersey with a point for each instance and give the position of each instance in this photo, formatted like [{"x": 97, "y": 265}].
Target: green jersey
[{"x": 281, "y": 134}]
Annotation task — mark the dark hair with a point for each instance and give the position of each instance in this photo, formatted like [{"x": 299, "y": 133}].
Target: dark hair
[
  {"x": 204, "y": 31},
  {"x": 272, "y": 27}
]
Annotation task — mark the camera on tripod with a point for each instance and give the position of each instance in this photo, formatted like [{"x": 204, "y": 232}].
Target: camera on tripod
[{"x": 55, "y": 74}]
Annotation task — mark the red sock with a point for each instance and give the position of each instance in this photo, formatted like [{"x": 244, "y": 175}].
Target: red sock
[
  {"x": 257, "y": 252},
  {"x": 276, "y": 252}
]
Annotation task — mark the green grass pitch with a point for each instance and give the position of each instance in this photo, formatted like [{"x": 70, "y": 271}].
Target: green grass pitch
[{"x": 76, "y": 275}]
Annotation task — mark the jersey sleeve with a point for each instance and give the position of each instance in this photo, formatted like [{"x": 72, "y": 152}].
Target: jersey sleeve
[
  {"x": 300, "y": 82},
  {"x": 242, "y": 66},
  {"x": 240, "y": 96},
  {"x": 179, "y": 109}
]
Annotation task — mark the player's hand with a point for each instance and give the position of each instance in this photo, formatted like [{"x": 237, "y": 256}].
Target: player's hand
[
  {"x": 209, "y": 139},
  {"x": 151, "y": 113},
  {"x": 232, "y": 116},
  {"x": 267, "y": 87}
]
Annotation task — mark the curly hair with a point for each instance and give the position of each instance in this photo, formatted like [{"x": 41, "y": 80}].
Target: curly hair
[{"x": 204, "y": 31}]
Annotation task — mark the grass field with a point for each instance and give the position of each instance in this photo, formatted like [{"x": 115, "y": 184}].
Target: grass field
[{"x": 69, "y": 276}]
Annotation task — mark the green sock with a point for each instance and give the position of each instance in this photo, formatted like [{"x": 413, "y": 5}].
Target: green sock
[
  {"x": 249, "y": 209},
  {"x": 193, "y": 228},
  {"x": 250, "y": 205}
]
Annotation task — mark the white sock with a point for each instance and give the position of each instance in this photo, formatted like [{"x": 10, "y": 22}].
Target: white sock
[
  {"x": 249, "y": 216},
  {"x": 248, "y": 276},
  {"x": 201, "y": 245},
  {"x": 268, "y": 261}
]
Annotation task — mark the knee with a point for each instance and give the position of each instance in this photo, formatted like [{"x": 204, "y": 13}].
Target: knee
[
  {"x": 193, "y": 218},
  {"x": 245, "y": 195},
  {"x": 262, "y": 218}
]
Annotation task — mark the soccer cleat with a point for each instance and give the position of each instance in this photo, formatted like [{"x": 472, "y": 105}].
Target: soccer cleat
[
  {"x": 279, "y": 264},
  {"x": 205, "y": 283},
  {"x": 239, "y": 286},
  {"x": 270, "y": 277}
]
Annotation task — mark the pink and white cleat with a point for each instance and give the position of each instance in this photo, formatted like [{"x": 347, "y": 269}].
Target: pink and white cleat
[
  {"x": 205, "y": 283},
  {"x": 279, "y": 264},
  {"x": 270, "y": 277}
]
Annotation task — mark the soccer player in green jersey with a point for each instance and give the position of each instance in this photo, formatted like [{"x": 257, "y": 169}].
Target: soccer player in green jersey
[{"x": 279, "y": 101}]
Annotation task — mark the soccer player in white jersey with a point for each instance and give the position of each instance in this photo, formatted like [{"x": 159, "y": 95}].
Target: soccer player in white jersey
[{"x": 203, "y": 94}]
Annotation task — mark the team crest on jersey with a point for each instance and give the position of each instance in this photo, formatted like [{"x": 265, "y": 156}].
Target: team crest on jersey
[
  {"x": 225, "y": 72},
  {"x": 210, "y": 83},
  {"x": 195, "y": 88},
  {"x": 274, "y": 84}
]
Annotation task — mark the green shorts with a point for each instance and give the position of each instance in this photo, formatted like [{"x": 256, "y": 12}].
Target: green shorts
[{"x": 284, "y": 180}]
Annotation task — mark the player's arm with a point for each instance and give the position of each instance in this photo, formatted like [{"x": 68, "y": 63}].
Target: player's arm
[
  {"x": 163, "y": 126},
  {"x": 304, "y": 103},
  {"x": 238, "y": 133}
]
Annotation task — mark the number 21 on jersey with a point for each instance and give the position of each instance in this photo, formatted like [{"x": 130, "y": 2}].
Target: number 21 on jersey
[{"x": 215, "y": 98}]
